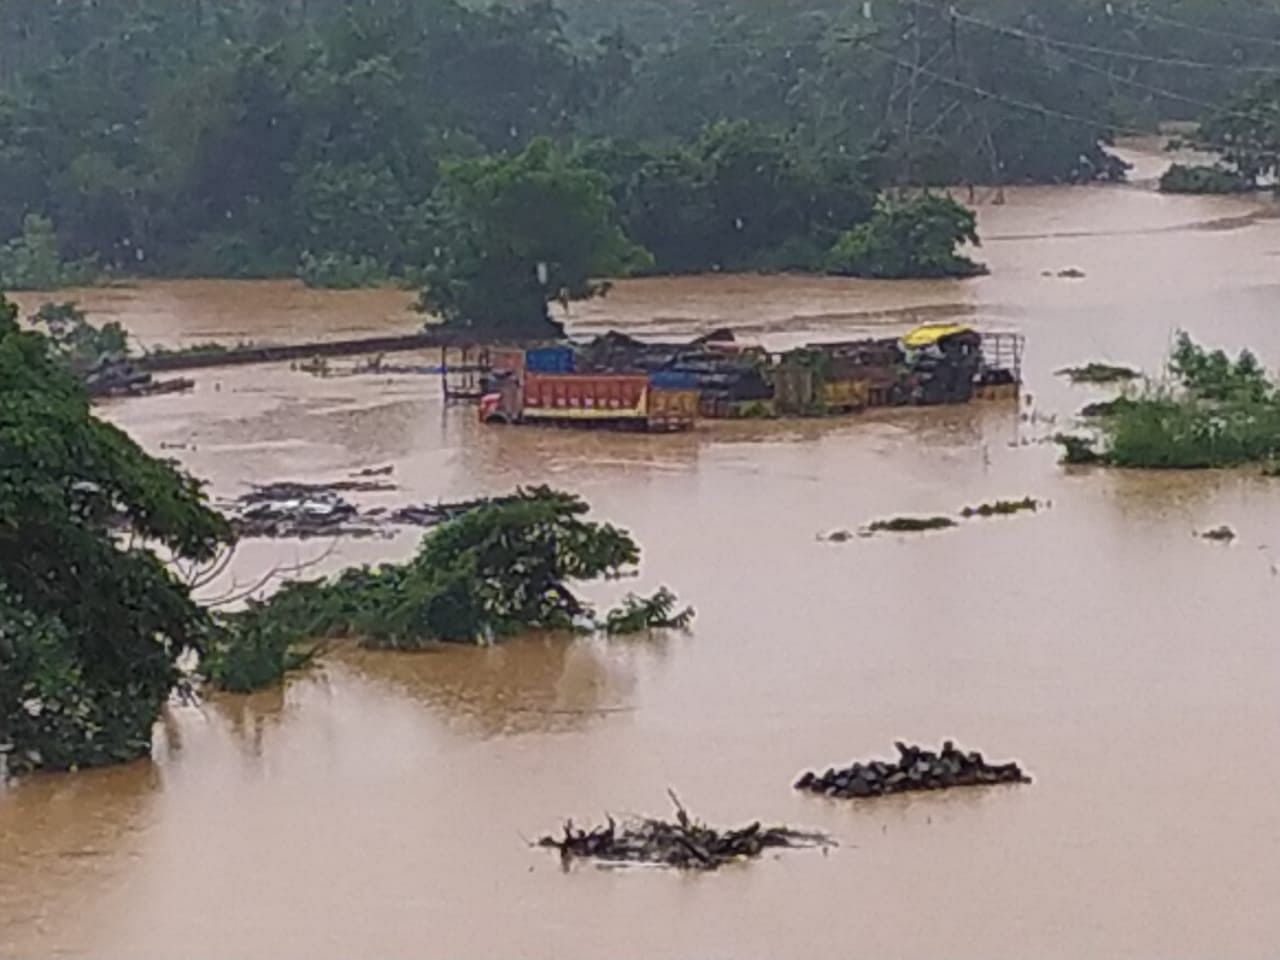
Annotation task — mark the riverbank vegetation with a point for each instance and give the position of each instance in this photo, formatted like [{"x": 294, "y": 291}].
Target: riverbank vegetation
[
  {"x": 261, "y": 139},
  {"x": 1245, "y": 132},
  {"x": 92, "y": 620},
  {"x": 1199, "y": 179},
  {"x": 33, "y": 260},
  {"x": 1212, "y": 411},
  {"x": 913, "y": 238}
]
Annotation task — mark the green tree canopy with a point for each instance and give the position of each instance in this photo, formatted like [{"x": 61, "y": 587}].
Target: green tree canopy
[
  {"x": 92, "y": 621},
  {"x": 518, "y": 232},
  {"x": 909, "y": 238}
]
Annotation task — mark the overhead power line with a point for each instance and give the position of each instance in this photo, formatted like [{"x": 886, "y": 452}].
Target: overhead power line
[
  {"x": 1013, "y": 102},
  {"x": 1204, "y": 31},
  {"x": 1106, "y": 51}
]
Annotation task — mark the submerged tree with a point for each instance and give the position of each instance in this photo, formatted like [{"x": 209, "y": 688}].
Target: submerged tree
[
  {"x": 92, "y": 621},
  {"x": 912, "y": 238},
  {"x": 515, "y": 233},
  {"x": 505, "y": 567}
]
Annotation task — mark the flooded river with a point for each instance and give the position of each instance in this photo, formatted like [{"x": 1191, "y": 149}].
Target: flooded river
[{"x": 381, "y": 805}]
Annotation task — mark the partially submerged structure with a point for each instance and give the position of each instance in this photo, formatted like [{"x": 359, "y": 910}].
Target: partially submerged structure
[{"x": 620, "y": 382}]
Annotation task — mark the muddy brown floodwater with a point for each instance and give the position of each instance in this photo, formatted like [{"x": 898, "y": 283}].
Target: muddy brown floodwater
[{"x": 380, "y": 805}]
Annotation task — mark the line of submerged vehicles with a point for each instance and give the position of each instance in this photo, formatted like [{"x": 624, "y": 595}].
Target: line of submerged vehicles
[{"x": 618, "y": 382}]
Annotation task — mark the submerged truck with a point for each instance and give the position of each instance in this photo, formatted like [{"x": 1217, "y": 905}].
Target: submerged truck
[
  {"x": 622, "y": 383},
  {"x": 544, "y": 387}
]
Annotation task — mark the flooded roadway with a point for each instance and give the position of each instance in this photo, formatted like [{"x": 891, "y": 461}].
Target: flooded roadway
[{"x": 381, "y": 804}]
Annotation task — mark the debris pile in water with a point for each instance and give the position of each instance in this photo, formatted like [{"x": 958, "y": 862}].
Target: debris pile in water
[
  {"x": 299, "y": 510},
  {"x": 433, "y": 514},
  {"x": 1222, "y": 534},
  {"x": 685, "y": 843},
  {"x": 915, "y": 769},
  {"x": 289, "y": 510}
]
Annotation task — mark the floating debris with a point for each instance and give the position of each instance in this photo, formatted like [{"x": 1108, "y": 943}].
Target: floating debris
[
  {"x": 685, "y": 844},
  {"x": 1001, "y": 508},
  {"x": 1222, "y": 534},
  {"x": 916, "y": 769},
  {"x": 288, "y": 510},
  {"x": 301, "y": 510},
  {"x": 836, "y": 536},
  {"x": 911, "y": 525},
  {"x": 1099, "y": 373},
  {"x": 434, "y": 514}
]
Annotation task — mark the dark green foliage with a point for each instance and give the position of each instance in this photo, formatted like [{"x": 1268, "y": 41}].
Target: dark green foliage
[
  {"x": 1217, "y": 413},
  {"x": 638, "y": 614},
  {"x": 517, "y": 232},
  {"x": 76, "y": 341},
  {"x": 738, "y": 197},
  {"x": 909, "y": 238},
  {"x": 1246, "y": 131},
  {"x": 94, "y": 622},
  {"x": 33, "y": 260},
  {"x": 229, "y": 138},
  {"x": 1104, "y": 408},
  {"x": 50, "y": 713},
  {"x": 1214, "y": 376},
  {"x": 253, "y": 649},
  {"x": 1077, "y": 450},
  {"x": 1176, "y": 432},
  {"x": 1181, "y": 178},
  {"x": 340, "y": 271}
]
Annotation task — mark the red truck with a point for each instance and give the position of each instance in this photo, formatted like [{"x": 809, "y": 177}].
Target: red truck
[{"x": 606, "y": 399}]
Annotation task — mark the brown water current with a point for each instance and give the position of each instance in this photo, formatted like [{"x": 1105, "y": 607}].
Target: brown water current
[{"x": 380, "y": 805}]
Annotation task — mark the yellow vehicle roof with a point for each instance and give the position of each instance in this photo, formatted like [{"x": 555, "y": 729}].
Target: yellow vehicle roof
[{"x": 931, "y": 333}]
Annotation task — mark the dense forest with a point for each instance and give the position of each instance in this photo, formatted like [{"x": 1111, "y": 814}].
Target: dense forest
[{"x": 332, "y": 138}]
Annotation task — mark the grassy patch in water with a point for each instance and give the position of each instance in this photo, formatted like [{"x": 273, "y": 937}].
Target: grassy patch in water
[
  {"x": 911, "y": 525},
  {"x": 1001, "y": 508},
  {"x": 1099, "y": 373}
]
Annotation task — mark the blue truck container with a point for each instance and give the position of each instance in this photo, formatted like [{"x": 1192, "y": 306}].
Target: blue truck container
[
  {"x": 674, "y": 380},
  {"x": 549, "y": 360}
]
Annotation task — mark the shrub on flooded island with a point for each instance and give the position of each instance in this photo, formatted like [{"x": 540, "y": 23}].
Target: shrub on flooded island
[
  {"x": 498, "y": 570},
  {"x": 1216, "y": 413},
  {"x": 92, "y": 623},
  {"x": 1197, "y": 179}
]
